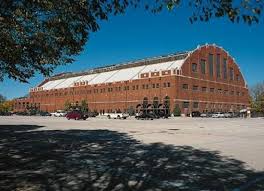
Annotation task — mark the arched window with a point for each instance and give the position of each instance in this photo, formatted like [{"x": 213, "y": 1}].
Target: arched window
[
  {"x": 166, "y": 104},
  {"x": 138, "y": 107},
  {"x": 156, "y": 104},
  {"x": 167, "y": 101},
  {"x": 145, "y": 104}
]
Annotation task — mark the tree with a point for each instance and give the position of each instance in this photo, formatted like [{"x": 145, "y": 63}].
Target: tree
[
  {"x": 5, "y": 107},
  {"x": 2, "y": 98},
  {"x": 67, "y": 105},
  {"x": 36, "y": 36},
  {"x": 257, "y": 97},
  {"x": 177, "y": 111},
  {"x": 84, "y": 106}
]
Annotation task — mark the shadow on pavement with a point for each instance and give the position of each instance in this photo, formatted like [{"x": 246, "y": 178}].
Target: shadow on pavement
[{"x": 108, "y": 160}]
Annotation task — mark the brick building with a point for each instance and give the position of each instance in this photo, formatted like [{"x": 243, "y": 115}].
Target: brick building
[{"x": 204, "y": 79}]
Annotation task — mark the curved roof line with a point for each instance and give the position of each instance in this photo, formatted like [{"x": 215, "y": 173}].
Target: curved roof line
[
  {"x": 129, "y": 64},
  {"x": 216, "y": 46},
  {"x": 183, "y": 56}
]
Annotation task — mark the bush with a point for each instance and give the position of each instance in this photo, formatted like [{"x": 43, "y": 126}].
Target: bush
[
  {"x": 177, "y": 111},
  {"x": 84, "y": 106}
]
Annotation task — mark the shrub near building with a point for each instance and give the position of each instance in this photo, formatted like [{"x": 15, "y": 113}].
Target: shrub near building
[
  {"x": 5, "y": 107},
  {"x": 177, "y": 111}
]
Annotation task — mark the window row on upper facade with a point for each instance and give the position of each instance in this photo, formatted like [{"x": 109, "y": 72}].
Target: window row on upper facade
[
  {"x": 104, "y": 90},
  {"x": 220, "y": 68},
  {"x": 196, "y": 88}
]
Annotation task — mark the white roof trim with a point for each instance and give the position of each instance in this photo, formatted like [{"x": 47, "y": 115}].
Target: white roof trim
[{"x": 124, "y": 74}]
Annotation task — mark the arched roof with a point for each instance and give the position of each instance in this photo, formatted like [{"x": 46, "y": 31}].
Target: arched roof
[
  {"x": 125, "y": 71},
  {"x": 199, "y": 47},
  {"x": 117, "y": 73}
]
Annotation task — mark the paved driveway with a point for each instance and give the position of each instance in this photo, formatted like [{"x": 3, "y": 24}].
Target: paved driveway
[{"x": 48, "y": 153}]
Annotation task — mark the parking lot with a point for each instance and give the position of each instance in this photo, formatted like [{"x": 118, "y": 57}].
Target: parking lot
[{"x": 232, "y": 146}]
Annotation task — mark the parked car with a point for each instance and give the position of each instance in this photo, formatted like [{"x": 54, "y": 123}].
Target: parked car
[
  {"x": 218, "y": 115},
  {"x": 204, "y": 115},
  {"x": 77, "y": 115},
  {"x": 45, "y": 113},
  {"x": 146, "y": 116},
  {"x": 5, "y": 113},
  {"x": 59, "y": 113},
  {"x": 196, "y": 114},
  {"x": 236, "y": 114},
  {"x": 92, "y": 114},
  {"x": 22, "y": 113},
  {"x": 117, "y": 115},
  {"x": 162, "y": 114},
  {"x": 228, "y": 115}
]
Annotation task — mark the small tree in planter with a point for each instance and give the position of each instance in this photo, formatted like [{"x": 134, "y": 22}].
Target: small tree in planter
[
  {"x": 177, "y": 111},
  {"x": 84, "y": 106},
  {"x": 67, "y": 105}
]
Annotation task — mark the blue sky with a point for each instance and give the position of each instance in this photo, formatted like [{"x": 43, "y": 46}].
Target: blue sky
[{"x": 139, "y": 34}]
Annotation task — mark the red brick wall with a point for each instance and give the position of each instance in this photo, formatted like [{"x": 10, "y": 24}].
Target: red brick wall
[{"x": 99, "y": 98}]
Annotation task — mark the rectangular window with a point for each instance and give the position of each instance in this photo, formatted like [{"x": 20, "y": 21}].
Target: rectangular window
[
  {"x": 204, "y": 89},
  {"x": 143, "y": 86},
  {"x": 225, "y": 68},
  {"x": 147, "y": 86},
  {"x": 238, "y": 77},
  {"x": 219, "y": 91},
  {"x": 164, "y": 85},
  {"x": 202, "y": 63},
  {"x": 218, "y": 66},
  {"x": 157, "y": 85},
  {"x": 185, "y": 104},
  {"x": 211, "y": 65},
  {"x": 195, "y": 88},
  {"x": 168, "y": 84},
  {"x": 232, "y": 93},
  {"x": 185, "y": 86},
  {"x": 195, "y": 104},
  {"x": 194, "y": 67},
  {"x": 231, "y": 73},
  {"x": 153, "y": 85},
  {"x": 212, "y": 90}
]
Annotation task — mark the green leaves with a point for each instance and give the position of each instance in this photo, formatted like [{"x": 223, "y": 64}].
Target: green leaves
[
  {"x": 257, "y": 97},
  {"x": 248, "y": 11},
  {"x": 36, "y": 36}
]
